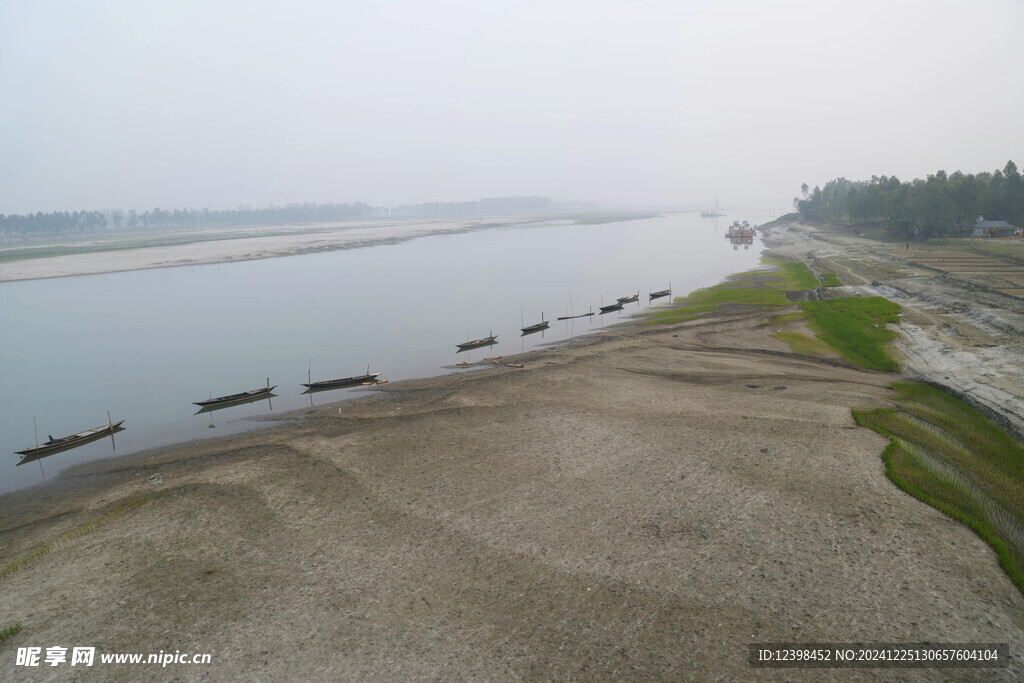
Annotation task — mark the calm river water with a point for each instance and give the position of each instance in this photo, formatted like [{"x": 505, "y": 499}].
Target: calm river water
[{"x": 146, "y": 344}]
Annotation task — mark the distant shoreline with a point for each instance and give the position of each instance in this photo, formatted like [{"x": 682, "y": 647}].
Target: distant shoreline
[{"x": 184, "y": 248}]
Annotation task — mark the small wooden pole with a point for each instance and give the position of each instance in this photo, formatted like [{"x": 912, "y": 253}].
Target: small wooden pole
[
  {"x": 35, "y": 430},
  {"x": 114, "y": 446}
]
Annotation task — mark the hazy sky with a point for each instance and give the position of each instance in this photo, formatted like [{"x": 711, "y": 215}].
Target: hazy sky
[{"x": 142, "y": 104}]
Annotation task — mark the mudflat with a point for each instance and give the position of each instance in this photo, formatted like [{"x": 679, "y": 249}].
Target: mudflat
[{"x": 641, "y": 504}]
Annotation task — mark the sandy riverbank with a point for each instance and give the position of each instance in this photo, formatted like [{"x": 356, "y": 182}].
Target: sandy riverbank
[
  {"x": 238, "y": 244},
  {"x": 643, "y": 504}
]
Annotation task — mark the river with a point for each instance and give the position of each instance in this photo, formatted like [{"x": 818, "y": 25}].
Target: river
[{"x": 144, "y": 345}]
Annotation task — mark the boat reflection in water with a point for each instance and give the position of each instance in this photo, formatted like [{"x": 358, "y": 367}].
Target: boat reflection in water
[{"x": 737, "y": 241}]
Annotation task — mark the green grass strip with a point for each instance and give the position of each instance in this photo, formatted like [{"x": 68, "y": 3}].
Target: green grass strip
[
  {"x": 830, "y": 280},
  {"x": 952, "y": 457},
  {"x": 84, "y": 528},
  {"x": 793, "y": 276},
  {"x": 856, "y": 328}
]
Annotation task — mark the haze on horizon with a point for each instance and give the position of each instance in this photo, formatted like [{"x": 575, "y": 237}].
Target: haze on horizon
[{"x": 115, "y": 104}]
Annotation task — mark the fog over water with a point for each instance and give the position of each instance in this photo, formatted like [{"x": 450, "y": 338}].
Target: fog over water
[{"x": 116, "y": 104}]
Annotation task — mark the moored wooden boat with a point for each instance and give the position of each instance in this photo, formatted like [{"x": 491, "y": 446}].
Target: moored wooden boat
[
  {"x": 54, "y": 445},
  {"x": 573, "y": 317},
  {"x": 242, "y": 397},
  {"x": 477, "y": 343},
  {"x": 581, "y": 315},
  {"x": 661, "y": 292},
  {"x": 342, "y": 382},
  {"x": 630, "y": 299},
  {"x": 536, "y": 327},
  {"x": 617, "y": 306}
]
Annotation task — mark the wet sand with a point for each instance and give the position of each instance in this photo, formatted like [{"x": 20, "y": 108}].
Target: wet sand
[{"x": 640, "y": 504}]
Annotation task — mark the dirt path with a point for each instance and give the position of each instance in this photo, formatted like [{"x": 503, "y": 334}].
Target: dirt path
[{"x": 639, "y": 505}]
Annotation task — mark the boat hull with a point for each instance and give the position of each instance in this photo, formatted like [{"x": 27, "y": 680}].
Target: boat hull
[
  {"x": 341, "y": 383},
  {"x": 68, "y": 442},
  {"x": 537, "y": 327},
  {"x": 243, "y": 397},
  {"x": 477, "y": 343}
]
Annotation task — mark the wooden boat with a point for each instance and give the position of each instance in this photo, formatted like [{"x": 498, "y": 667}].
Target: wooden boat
[
  {"x": 243, "y": 397},
  {"x": 573, "y": 317},
  {"x": 581, "y": 315},
  {"x": 71, "y": 441},
  {"x": 536, "y": 327},
  {"x": 617, "y": 306},
  {"x": 630, "y": 299},
  {"x": 477, "y": 343},
  {"x": 660, "y": 293},
  {"x": 343, "y": 382}
]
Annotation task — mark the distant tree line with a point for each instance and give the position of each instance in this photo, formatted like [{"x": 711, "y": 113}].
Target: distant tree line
[
  {"x": 938, "y": 205},
  {"x": 98, "y": 221}
]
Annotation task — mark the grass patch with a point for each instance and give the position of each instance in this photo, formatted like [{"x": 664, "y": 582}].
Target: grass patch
[
  {"x": 716, "y": 296},
  {"x": 793, "y": 277},
  {"x": 9, "y": 632},
  {"x": 46, "y": 548},
  {"x": 830, "y": 280},
  {"x": 700, "y": 302},
  {"x": 856, "y": 329},
  {"x": 949, "y": 455}
]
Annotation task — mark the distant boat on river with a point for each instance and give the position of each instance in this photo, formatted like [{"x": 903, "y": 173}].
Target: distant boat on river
[{"x": 712, "y": 213}]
